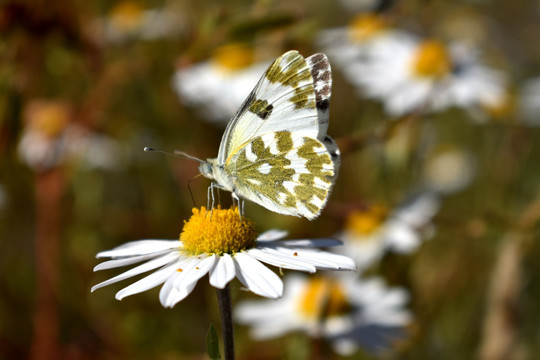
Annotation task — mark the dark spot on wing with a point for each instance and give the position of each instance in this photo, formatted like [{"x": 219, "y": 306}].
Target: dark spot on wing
[
  {"x": 323, "y": 104},
  {"x": 331, "y": 146},
  {"x": 322, "y": 79},
  {"x": 261, "y": 108}
]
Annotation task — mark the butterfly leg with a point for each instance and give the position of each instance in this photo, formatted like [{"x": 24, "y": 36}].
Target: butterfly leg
[
  {"x": 240, "y": 202},
  {"x": 210, "y": 199}
]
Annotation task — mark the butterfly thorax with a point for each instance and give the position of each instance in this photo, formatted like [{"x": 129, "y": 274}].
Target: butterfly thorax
[{"x": 213, "y": 171}]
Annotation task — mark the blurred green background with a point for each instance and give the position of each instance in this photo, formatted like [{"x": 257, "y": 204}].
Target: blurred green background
[{"x": 114, "y": 90}]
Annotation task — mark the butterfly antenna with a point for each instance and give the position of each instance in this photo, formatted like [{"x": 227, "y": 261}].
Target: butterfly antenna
[
  {"x": 187, "y": 156},
  {"x": 191, "y": 192},
  {"x": 176, "y": 153}
]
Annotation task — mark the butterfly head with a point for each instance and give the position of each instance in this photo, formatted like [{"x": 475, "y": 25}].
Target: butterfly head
[{"x": 207, "y": 170}]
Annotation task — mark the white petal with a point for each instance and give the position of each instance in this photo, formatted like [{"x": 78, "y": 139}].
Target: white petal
[
  {"x": 127, "y": 261},
  {"x": 419, "y": 211},
  {"x": 277, "y": 328},
  {"x": 253, "y": 312},
  {"x": 141, "y": 247},
  {"x": 320, "y": 259},
  {"x": 257, "y": 277},
  {"x": 402, "y": 238},
  {"x": 222, "y": 272},
  {"x": 310, "y": 243},
  {"x": 150, "y": 265},
  {"x": 168, "y": 289},
  {"x": 156, "y": 278},
  {"x": 271, "y": 235},
  {"x": 279, "y": 259},
  {"x": 344, "y": 347},
  {"x": 176, "y": 289}
]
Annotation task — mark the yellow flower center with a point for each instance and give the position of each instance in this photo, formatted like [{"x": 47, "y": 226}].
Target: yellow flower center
[
  {"x": 217, "y": 231},
  {"x": 233, "y": 56},
  {"x": 323, "y": 298},
  {"x": 431, "y": 59},
  {"x": 126, "y": 16},
  {"x": 364, "y": 26},
  {"x": 364, "y": 222},
  {"x": 48, "y": 118}
]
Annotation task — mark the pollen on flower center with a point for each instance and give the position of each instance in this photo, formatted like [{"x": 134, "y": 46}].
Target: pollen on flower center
[
  {"x": 365, "y": 25},
  {"x": 365, "y": 222},
  {"x": 323, "y": 297},
  {"x": 234, "y": 56},
  {"x": 431, "y": 59},
  {"x": 217, "y": 231}
]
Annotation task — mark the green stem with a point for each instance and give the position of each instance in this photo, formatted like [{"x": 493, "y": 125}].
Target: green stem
[{"x": 224, "y": 301}]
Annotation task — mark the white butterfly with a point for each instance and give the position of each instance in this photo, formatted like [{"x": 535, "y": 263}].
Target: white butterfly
[{"x": 275, "y": 150}]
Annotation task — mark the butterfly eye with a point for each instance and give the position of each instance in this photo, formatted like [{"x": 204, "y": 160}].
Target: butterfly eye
[{"x": 206, "y": 169}]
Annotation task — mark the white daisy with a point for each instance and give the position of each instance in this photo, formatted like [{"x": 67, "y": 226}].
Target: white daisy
[
  {"x": 42, "y": 144},
  {"x": 348, "y": 311},
  {"x": 348, "y": 47},
  {"x": 409, "y": 74},
  {"x": 371, "y": 232},
  {"x": 219, "y": 86},
  {"x": 224, "y": 246},
  {"x": 50, "y": 138}
]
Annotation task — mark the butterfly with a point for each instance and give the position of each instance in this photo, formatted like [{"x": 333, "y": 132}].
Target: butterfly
[{"x": 275, "y": 151}]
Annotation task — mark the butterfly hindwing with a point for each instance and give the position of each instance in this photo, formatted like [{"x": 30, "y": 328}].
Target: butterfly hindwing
[{"x": 286, "y": 172}]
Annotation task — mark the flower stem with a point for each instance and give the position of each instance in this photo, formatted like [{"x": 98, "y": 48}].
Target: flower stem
[
  {"x": 224, "y": 301},
  {"x": 50, "y": 188}
]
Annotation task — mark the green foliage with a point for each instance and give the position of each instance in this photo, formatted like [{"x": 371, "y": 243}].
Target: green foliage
[{"x": 212, "y": 344}]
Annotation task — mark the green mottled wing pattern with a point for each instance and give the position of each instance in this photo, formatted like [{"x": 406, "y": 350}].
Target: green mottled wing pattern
[
  {"x": 286, "y": 172},
  {"x": 293, "y": 95}
]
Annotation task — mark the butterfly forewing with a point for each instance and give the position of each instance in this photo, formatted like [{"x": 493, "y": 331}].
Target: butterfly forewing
[{"x": 284, "y": 99}]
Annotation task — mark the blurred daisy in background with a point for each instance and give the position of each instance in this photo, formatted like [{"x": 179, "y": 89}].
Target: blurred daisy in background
[
  {"x": 372, "y": 231},
  {"x": 43, "y": 141},
  {"x": 448, "y": 169},
  {"x": 218, "y": 86},
  {"x": 50, "y": 138},
  {"x": 411, "y": 74},
  {"x": 348, "y": 47},
  {"x": 129, "y": 20},
  {"x": 426, "y": 75},
  {"x": 351, "y": 313},
  {"x": 223, "y": 245}
]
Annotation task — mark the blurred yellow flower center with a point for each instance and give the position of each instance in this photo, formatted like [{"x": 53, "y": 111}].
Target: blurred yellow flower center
[
  {"x": 364, "y": 222},
  {"x": 126, "y": 16},
  {"x": 234, "y": 56},
  {"x": 365, "y": 25},
  {"x": 49, "y": 119},
  {"x": 217, "y": 231},
  {"x": 322, "y": 298},
  {"x": 503, "y": 108},
  {"x": 431, "y": 59}
]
